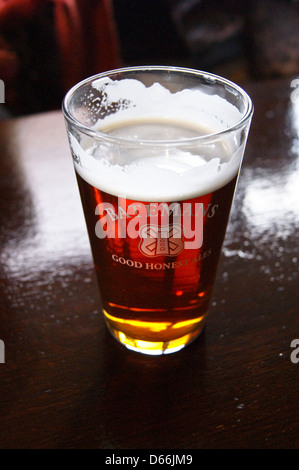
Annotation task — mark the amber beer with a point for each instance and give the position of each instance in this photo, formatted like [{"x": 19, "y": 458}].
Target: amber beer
[
  {"x": 157, "y": 160},
  {"x": 156, "y": 281},
  {"x": 151, "y": 297}
]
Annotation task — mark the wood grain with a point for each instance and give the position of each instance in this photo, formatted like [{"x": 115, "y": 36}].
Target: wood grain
[{"x": 67, "y": 383}]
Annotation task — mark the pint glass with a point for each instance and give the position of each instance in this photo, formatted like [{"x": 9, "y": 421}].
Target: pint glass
[{"x": 157, "y": 153}]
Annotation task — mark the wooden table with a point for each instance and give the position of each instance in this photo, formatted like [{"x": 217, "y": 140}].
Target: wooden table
[{"x": 66, "y": 383}]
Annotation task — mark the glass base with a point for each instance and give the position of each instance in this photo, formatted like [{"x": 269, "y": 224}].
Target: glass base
[{"x": 154, "y": 348}]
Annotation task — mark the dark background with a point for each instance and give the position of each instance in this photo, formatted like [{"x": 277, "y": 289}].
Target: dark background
[{"x": 243, "y": 41}]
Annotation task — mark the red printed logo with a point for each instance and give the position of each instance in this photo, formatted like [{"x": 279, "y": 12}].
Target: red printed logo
[{"x": 161, "y": 241}]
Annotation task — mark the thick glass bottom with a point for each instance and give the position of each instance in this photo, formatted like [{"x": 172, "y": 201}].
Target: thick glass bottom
[{"x": 157, "y": 343}]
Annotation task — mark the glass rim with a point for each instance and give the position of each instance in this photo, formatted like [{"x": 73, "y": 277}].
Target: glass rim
[{"x": 188, "y": 141}]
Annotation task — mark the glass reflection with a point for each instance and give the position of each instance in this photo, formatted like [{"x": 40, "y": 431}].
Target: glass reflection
[{"x": 271, "y": 200}]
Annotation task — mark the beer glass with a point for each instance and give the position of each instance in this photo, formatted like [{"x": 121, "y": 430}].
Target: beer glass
[{"x": 157, "y": 153}]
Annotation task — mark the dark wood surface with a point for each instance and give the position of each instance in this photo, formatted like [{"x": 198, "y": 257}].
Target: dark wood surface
[{"x": 66, "y": 383}]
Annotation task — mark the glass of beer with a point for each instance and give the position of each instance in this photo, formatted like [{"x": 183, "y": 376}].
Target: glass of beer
[{"x": 157, "y": 153}]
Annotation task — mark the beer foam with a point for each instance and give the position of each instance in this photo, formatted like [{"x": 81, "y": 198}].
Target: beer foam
[
  {"x": 158, "y": 173},
  {"x": 133, "y": 100},
  {"x": 177, "y": 176}
]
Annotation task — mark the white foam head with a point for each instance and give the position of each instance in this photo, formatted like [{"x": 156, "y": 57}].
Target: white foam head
[{"x": 125, "y": 158}]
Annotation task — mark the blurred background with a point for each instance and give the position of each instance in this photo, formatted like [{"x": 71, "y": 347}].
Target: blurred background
[{"x": 46, "y": 46}]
